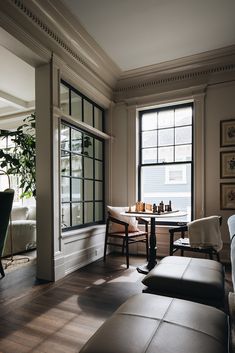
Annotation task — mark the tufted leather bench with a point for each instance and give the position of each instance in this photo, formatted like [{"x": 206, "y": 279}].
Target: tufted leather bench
[
  {"x": 199, "y": 280},
  {"x": 149, "y": 323}
]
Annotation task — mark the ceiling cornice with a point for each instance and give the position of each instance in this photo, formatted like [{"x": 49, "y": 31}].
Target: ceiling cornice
[
  {"x": 203, "y": 68},
  {"x": 50, "y": 23}
]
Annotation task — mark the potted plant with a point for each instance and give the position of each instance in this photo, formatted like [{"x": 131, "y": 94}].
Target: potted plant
[{"x": 21, "y": 158}]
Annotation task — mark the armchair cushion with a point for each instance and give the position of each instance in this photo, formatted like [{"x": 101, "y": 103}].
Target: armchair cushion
[{"x": 115, "y": 213}]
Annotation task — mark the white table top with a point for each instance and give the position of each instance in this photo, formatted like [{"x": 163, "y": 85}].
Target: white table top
[{"x": 154, "y": 215}]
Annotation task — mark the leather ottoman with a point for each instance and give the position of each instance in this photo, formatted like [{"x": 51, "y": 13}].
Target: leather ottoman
[
  {"x": 199, "y": 280},
  {"x": 148, "y": 323}
]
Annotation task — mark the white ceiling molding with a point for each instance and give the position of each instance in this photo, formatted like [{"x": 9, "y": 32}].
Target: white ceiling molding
[
  {"x": 58, "y": 33},
  {"x": 200, "y": 69},
  {"x": 20, "y": 103}
]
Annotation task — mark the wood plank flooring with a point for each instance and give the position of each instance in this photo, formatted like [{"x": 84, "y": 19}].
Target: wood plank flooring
[{"x": 60, "y": 317}]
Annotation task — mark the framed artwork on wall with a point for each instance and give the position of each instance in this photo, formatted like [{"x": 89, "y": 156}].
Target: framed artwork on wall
[
  {"x": 227, "y": 164},
  {"x": 227, "y": 196},
  {"x": 227, "y": 133}
]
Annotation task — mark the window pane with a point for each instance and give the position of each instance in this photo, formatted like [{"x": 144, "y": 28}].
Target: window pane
[
  {"x": 149, "y": 139},
  {"x": 149, "y": 121},
  {"x": 3, "y": 143},
  {"x": 64, "y": 137},
  {"x": 98, "y": 170},
  {"x": 98, "y": 116},
  {"x": 76, "y": 141},
  {"x": 65, "y": 163},
  {"x": 98, "y": 190},
  {"x": 82, "y": 160},
  {"x": 65, "y": 215},
  {"x": 166, "y": 118},
  {"x": 88, "y": 212},
  {"x": 183, "y": 153},
  {"x": 64, "y": 99},
  {"x": 183, "y": 135},
  {"x": 88, "y": 190},
  {"x": 65, "y": 189},
  {"x": 165, "y": 154},
  {"x": 98, "y": 149},
  {"x": 77, "y": 216},
  {"x": 183, "y": 116},
  {"x": 149, "y": 155},
  {"x": 87, "y": 145},
  {"x": 77, "y": 190},
  {"x": 76, "y": 106},
  {"x": 98, "y": 211},
  {"x": 76, "y": 166},
  {"x": 157, "y": 186},
  {"x": 88, "y": 113},
  {"x": 166, "y": 137},
  {"x": 88, "y": 168}
]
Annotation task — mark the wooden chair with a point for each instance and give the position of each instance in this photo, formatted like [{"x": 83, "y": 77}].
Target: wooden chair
[
  {"x": 6, "y": 201},
  {"x": 126, "y": 236},
  {"x": 183, "y": 244}
]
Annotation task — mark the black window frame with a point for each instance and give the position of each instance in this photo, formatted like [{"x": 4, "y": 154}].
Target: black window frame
[
  {"x": 141, "y": 164},
  {"x": 70, "y": 152}
]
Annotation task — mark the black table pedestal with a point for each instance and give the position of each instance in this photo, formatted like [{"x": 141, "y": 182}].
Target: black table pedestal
[{"x": 152, "y": 250}]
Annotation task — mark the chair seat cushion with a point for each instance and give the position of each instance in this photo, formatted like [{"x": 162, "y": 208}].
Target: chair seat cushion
[
  {"x": 148, "y": 323},
  {"x": 194, "y": 279}
]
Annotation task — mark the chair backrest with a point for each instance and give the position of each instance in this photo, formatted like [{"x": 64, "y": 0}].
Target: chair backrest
[
  {"x": 231, "y": 227},
  {"x": 6, "y": 201}
]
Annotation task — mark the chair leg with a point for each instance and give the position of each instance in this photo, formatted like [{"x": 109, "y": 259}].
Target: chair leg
[
  {"x": 123, "y": 246},
  {"x": 127, "y": 253},
  {"x": 2, "y": 270},
  {"x": 105, "y": 245}
]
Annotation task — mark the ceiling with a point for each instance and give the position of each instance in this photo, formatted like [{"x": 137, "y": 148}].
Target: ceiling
[
  {"x": 137, "y": 33},
  {"x": 133, "y": 33},
  {"x": 17, "y": 87}
]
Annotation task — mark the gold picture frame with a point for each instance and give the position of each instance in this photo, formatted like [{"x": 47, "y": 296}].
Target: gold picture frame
[
  {"x": 227, "y": 164},
  {"x": 227, "y": 133},
  {"x": 227, "y": 196}
]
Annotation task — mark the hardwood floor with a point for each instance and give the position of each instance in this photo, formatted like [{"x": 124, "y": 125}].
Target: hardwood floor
[{"x": 60, "y": 317}]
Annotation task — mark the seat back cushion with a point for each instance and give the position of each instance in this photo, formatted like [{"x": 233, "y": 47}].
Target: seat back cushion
[
  {"x": 115, "y": 212},
  {"x": 19, "y": 213},
  {"x": 32, "y": 213}
]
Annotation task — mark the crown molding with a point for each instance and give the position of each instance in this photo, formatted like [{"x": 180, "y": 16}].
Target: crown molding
[
  {"x": 204, "y": 68},
  {"x": 54, "y": 27}
]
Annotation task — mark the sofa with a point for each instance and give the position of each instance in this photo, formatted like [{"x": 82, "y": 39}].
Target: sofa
[{"x": 23, "y": 230}]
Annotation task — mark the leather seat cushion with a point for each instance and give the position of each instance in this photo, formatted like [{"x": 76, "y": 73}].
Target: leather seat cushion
[
  {"x": 152, "y": 323},
  {"x": 187, "y": 277}
]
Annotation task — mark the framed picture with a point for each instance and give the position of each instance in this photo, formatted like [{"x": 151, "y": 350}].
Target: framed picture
[
  {"x": 227, "y": 133},
  {"x": 227, "y": 164},
  {"x": 227, "y": 196}
]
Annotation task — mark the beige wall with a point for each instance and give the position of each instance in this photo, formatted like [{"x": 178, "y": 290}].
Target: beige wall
[{"x": 219, "y": 106}]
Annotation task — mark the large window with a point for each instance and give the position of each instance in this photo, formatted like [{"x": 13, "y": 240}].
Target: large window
[
  {"x": 82, "y": 165},
  {"x": 166, "y": 150}
]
